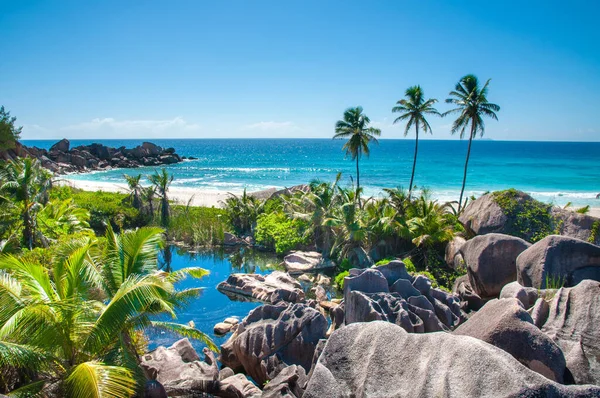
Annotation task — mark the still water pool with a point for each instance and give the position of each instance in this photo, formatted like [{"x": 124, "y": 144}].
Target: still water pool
[{"x": 212, "y": 307}]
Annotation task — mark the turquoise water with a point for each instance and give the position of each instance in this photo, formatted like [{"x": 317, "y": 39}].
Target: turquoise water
[
  {"x": 557, "y": 172},
  {"x": 212, "y": 307}
]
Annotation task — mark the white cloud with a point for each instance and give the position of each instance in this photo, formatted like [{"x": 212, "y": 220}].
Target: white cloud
[
  {"x": 112, "y": 128},
  {"x": 272, "y": 126}
]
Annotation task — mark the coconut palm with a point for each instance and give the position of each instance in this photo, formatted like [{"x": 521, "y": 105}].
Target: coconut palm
[
  {"x": 161, "y": 180},
  {"x": 472, "y": 105},
  {"x": 147, "y": 195},
  {"x": 413, "y": 110},
  {"x": 354, "y": 127},
  {"x": 135, "y": 190},
  {"x": 25, "y": 182},
  {"x": 71, "y": 330},
  {"x": 242, "y": 211}
]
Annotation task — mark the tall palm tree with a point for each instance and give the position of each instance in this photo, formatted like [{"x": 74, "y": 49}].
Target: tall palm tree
[
  {"x": 161, "y": 180},
  {"x": 26, "y": 182},
  {"x": 471, "y": 105},
  {"x": 413, "y": 110},
  {"x": 70, "y": 329},
  {"x": 355, "y": 128},
  {"x": 135, "y": 190}
]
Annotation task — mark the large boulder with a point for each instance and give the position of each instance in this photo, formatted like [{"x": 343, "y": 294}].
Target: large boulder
[
  {"x": 289, "y": 383},
  {"x": 273, "y": 337},
  {"x": 179, "y": 369},
  {"x": 367, "y": 281},
  {"x": 380, "y": 359},
  {"x": 61, "y": 146},
  {"x": 299, "y": 262},
  {"x": 526, "y": 295},
  {"x": 505, "y": 324},
  {"x": 237, "y": 386},
  {"x": 577, "y": 225},
  {"x": 573, "y": 322},
  {"x": 393, "y": 271},
  {"x": 273, "y": 288},
  {"x": 484, "y": 216},
  {"x": 558, "y": 260},
  {"x": 453, "y": 257},
  {"x": 491, "y": 261},
  {"x": 152, "y": 149},
  {"x": 469, "y": 300}
]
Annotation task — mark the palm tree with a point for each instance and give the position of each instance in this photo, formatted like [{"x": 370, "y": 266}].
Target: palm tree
[
  {"x": 471, "y": 105},
  {"x": 413, "y": 110},
  {"x": 355, "y": 128},
  {"x": 135, "y": 190},
  {"x": 243, "y": 211},
  {"x": 25, "y": 182},
  {"x": 70, "y": 329},
  {"x": 161, "y": 180},
  {"x": 147, "y": 195}
]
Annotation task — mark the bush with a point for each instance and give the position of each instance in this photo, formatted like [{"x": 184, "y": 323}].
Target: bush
[
  {"x": 410, "y": 267},
  {"x": 277, "y": 231},
  {"x": 198, "y": 226},
  {"x": 344, "y": 265},
  {"x": 339, "y": 279},
  {"x": 384, "y": 261},
  {"x": 109, "y": 207}
]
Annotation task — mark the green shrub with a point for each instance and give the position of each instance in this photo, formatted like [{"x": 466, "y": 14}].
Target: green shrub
[
  {"x": 109, "y": 207},
  {"x": 198, "y": 226},
  {"x": 410, "y": 267},
  {"x": 384, "y": 261},
  {"x": 339, "y": 279},
  {"x": 277, "y": 231},
  {"x": 344, "y": 265},
  {"x": 527, "y": 219}
]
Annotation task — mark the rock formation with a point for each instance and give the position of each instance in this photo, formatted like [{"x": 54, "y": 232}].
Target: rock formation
[{"x": 273, "y": 288}]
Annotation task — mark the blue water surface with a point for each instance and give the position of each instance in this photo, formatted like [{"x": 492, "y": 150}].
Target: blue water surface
[{"x": 557, "y": 172}]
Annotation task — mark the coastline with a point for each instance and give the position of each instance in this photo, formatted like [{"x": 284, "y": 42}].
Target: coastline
[{"x": 193, "y": 196}]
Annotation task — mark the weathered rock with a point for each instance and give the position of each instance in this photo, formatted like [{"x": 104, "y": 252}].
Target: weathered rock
[
  {"x": 422, "y": 284},
  {"x": 238, "y": 386},
  {"x": 491, "y": 262},
  {"x": 404, "y": 288},
  {"x": 179, "y": 369},
  {"x": 152, "y": 389},
  {"x": 526, "y": 295},
  {"x": 299, "y": 262},
  {"x": 505, "y": 324},
  {"x": 558, "y": 259},
  {"x": 380, "y": 359},
  {"x": 576, "y": 225},
  {"x": 366, "y": 281},
  {"x": 470, "y": 301},
  {"x": 273, "y": 288},
  {"x": 393, "y": 271},
  {"x": 453, "y": 257},
  {"x": 61, "y": 146},
  {"x": 289, "y": 383},
  {"x": 273, "y": 337},
  {"x": 572, "y": 323},
  {"x": 152, "y": 149},
  {"x": 540, "y": 312},
  {"x": 230, "y": 239},
  {"x": 359, "y": 258},
  {"x": 484, "y": 216},
  {"x": 222, "y": 328}
]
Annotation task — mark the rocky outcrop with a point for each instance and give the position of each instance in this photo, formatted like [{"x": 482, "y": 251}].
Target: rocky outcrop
[
  {"x": 289, "y": 383},
  {"x": 453, "y": 257},
  {"x": 299, "y": 262},
  {"x": 558, "y": 260},
  {"x": 505, "y": 324},
  {"x": 179, "y": 369},
  {"x": 573, "y": 323},
  {"x": 273, "y": 337},
  {"x": 469, "y": 300},
  {"x": 526, "y": 295},
  {"x": 414, "y": 306},
  {"x": 485, "y": 215},
  {"x": 273, "y": 288},
  {"x": 62, "y": 159},
  {"x": 491, "y": 262},
  {"x": 394, "y": 271},
  {"x": 380, "y": 359}
]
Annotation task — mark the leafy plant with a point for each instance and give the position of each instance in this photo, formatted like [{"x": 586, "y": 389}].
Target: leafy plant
[
  {"x": 339, "y": 279},
  {"x": 277, "y": 231}
]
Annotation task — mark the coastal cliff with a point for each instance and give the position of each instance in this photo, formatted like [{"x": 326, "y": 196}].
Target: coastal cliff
[{"x": 62, "y": 159}]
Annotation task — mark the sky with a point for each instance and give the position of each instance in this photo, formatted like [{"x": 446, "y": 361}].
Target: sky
[{"x": 288, "y": 69}]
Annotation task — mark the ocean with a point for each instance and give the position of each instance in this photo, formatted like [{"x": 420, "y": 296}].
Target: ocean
[{"x": 554, "y": 172}]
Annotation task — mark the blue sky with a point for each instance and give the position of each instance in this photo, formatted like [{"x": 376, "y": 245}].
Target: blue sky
[{"x": 200, "y": 69}]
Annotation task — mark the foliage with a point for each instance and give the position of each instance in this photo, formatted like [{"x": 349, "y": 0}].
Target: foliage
[
  {"x": 384, "y": 261},
  {"x": 413, "y": 110},
  {"x": 23, "y": 186},
  {"x": 527, "y": 219},
  {"x": 279, "y": 232},
  {"x": 410, "y": 266},
  {"x": 243, "y": 211},
  {"x": 354, "y": 127},
  {"x": 63, "y": 218},
  {"x": 594, "y": 232},
  {"x": 198, "y": 226},
  {"x": 9, "y": 134},
  {"x": 471, "y": 106},
  {"x": 583, "y": 210},
  {"x": 110, "y": 208},
  {"x": 554, "y": 281},
  {"x": 161, "y": 180},
  {"x": 339, "y": 279},
  {"x": 70, "y": 329}
]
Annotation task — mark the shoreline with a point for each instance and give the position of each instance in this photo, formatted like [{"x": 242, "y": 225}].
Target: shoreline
[{"x": 193, "y": 196}]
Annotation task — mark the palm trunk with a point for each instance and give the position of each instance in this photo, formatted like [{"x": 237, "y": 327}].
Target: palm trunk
[
  {"x": 412, "y": 176},
  {"x": 165, "y": 211},
  {"x": 462, "y": 190},
  {"x": 358, "y": 182},
  {"x": 27, "y": 227}
]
